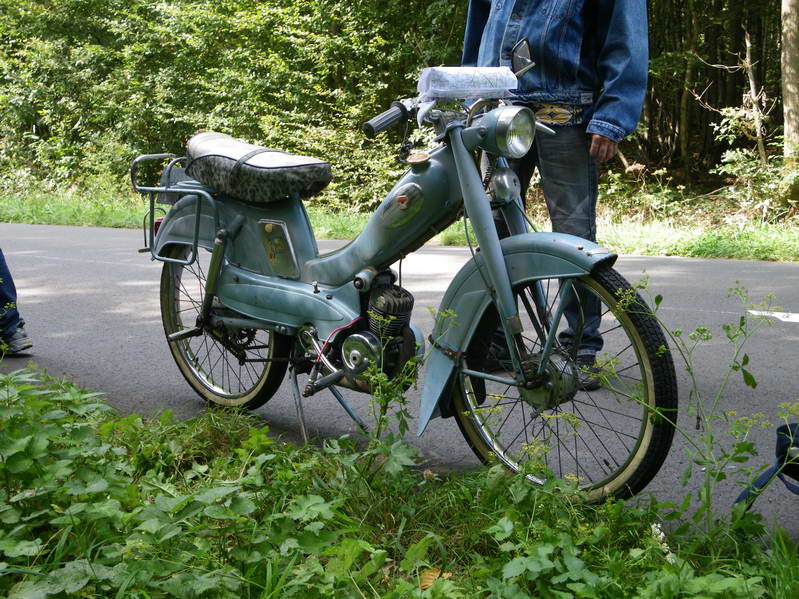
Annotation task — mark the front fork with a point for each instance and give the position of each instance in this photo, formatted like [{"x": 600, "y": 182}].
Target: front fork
[
  {"x": 478, "y": 209},
  {"x": 507, "y": 192}
]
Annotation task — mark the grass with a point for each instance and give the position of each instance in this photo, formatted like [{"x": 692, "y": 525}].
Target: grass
[
  {"x": 107, "y": 207},
  {"x": 94, "y": 505},
  {"x": 778, "y": 242},
  {"x": 101, "y": 206}
]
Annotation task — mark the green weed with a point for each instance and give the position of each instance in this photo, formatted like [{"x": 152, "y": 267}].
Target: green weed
[{"x": 94, "y": 505}]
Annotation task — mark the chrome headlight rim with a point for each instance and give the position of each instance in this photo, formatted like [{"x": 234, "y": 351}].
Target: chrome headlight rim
[{"x": 504, "y": 129}]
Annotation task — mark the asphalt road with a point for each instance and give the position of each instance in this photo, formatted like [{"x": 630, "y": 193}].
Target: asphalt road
[{"x": 91, "y": 303}]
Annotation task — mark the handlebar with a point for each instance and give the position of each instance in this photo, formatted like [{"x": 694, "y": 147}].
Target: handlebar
[
  {"x": 398, "y": 113},
  {"x": 402, "y": 110}
]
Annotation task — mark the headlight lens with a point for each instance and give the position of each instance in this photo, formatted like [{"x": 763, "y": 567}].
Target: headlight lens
[{"x": 515, "y": 131}]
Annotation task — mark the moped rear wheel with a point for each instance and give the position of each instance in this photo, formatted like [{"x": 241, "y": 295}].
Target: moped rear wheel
[
  {"x": 608, "y": 433},
  {"x": 232, "y": 368}
]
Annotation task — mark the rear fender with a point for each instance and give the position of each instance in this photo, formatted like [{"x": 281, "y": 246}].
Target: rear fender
[
  {"x": 178, "y": 225},
  {"x": 528, "y": 257}
]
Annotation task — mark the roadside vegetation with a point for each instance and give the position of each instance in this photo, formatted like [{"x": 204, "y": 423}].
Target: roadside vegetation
[
  {"x": 97, "y": 505},
  {"x": 722, "y": 234}
]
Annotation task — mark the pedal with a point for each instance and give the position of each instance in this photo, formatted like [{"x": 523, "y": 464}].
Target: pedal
[
  {"x": 185, "y": 334},
  {"x": 323, "y": 383}
]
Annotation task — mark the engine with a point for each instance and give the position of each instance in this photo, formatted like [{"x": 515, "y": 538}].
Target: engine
[
  {"x": 384, "y": 339},
  {"x": 389, "y": 311},
  {"x": 389, "y": 342}
]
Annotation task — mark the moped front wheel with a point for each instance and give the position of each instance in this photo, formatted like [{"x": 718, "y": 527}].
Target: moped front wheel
[
  {"x": 228, "y": 367},
  {"x": 605, "y": 426}
]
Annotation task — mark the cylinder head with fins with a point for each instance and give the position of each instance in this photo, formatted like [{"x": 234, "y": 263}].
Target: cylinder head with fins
[{"x": 389, "y": 311}]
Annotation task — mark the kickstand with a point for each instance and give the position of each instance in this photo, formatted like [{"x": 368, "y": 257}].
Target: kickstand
[
  {"x": 295, "y": 390},
  {"x": 340, "y": 398}
]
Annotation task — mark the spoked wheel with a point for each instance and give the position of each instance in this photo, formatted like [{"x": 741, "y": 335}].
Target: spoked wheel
[
  {"x": 229, "y": 367},
  {"x": 606, "y": 427}
]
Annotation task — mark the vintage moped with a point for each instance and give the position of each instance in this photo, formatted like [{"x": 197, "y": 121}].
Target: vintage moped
[{"x": 246, "y": 295}]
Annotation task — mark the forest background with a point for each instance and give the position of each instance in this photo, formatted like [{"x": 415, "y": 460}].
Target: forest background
[{"x": 86, "y": 85}]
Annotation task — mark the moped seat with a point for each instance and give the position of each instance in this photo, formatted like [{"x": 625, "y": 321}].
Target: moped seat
[{"x": 253, "y": 173}]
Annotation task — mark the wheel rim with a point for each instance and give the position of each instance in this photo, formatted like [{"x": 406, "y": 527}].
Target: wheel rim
[
  {"x": 596, "y": 439},
  {"x": 220, "y": 361}
]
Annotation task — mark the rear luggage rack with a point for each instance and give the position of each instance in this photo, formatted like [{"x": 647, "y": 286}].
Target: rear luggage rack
[{"x": 174, "y": 183}]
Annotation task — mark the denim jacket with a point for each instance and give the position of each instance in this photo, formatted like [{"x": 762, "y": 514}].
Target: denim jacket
[{"x": 590, "y": 53}]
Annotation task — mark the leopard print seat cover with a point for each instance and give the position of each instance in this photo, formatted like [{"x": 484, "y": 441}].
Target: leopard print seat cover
[{"x": 253, "y": 173}]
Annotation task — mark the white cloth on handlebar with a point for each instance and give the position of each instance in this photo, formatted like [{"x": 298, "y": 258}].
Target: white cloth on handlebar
[{"x": 465, "y": 82}]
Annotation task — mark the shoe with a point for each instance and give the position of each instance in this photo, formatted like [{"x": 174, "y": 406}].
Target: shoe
[
  {"x": 17, "y": 342},
  {"x": 588, "y": 373}
]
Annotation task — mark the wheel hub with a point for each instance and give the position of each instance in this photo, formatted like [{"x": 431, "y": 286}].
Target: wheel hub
[
  {"x": 235, "y": 341},
  {"x": 558, "y": 384}
]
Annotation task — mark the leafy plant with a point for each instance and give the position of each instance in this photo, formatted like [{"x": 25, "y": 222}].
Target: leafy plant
[
  {"x": 97, "y": 505},
  {"x": 767, "y": 192}
]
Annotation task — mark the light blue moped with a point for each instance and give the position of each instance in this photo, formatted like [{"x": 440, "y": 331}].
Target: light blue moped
[{"x": 245, "y": 294}]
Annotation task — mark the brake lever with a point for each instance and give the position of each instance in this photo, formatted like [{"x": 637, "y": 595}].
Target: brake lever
[{"x": 424, "y": 110}]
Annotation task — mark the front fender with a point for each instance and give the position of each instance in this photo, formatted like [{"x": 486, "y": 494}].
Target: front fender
[{"x": 528, "y": 257}]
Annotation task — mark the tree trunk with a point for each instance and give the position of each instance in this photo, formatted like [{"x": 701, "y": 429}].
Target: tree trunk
[
  {"x": 754, "y": 98},
  {"x": 790, "y": 78},
  {"x": 688, "y": 81},
  {"x": 735, "y": 35}
]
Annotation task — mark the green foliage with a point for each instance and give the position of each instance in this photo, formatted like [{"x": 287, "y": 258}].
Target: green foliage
[
  {"x": 85, "y": 85},
  {"x": 99, "y": 202},
  {"x": 664, "y": 238},
  {"x": 648, "y": 196},
  {"x": 95, "y": 505},
  {"x": 721, "y": 449},
  {"x": 765, "y": 191},
  {"x": 88, "y": 84}
]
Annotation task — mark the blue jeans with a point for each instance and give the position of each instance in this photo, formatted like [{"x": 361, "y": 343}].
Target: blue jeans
[
  {"x": 9, "y": 317},
  {"x": 569, "y": 179}
]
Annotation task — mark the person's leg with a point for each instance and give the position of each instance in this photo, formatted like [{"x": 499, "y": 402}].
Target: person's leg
[
  {"x": 570, "y": 182},
  {"x": 9, "y": 316},
  {"x": 13, "y": 337}
]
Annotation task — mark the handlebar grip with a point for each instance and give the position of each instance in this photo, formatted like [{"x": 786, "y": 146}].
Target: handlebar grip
[{"x": 385, "y": 120}]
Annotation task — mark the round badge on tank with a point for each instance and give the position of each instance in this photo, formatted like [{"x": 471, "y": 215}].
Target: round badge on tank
[{"x": 401, "y": 205}]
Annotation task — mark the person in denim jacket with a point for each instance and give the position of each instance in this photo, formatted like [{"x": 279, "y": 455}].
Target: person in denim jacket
[{"x": 588, "y": 83}]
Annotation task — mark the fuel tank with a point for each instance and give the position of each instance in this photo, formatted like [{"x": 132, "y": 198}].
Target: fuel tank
[{"x": 423, "y": 202}]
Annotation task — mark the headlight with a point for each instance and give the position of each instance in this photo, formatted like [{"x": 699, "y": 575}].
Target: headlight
[
  {"x": 505, "y": 131},
  {"x": 515, "y": 131}
]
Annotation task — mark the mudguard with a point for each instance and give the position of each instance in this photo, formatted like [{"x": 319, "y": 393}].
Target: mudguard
[
  {"x": 178, "y": 225},
  {"x": 528, "y": 257}
]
